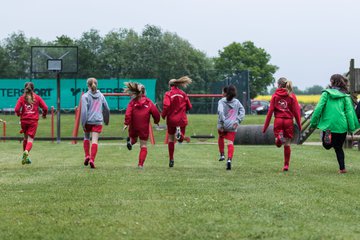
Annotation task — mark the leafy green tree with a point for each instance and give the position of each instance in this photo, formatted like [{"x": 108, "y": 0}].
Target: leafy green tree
[
  {"x": 246, "y": 56},
  {"x": 297, "y": 91},
  {"x": 165, "y": 55},
  {"x": 17, "y": 52},
  {"x": 4, "y": 63},
  {"x": 119, "y": 54},
  {"x": 316, "y": 89},
  {"x": 90, "y": 46},
  {"x": 64, "y": 40}
]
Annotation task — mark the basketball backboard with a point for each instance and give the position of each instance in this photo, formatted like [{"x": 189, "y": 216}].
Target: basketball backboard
[{"x": 46, "y": 59}]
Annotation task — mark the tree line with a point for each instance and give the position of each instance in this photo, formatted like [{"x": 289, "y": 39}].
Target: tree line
[
  {"x": 153, "y": 53},
  {"x": 314, "y": 90}
]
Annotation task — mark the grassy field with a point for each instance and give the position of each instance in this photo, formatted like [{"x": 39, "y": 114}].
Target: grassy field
[{"x": 56, "y": 197}]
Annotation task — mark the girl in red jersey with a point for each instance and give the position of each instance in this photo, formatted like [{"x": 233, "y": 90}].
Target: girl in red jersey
[
  {"x": 137, "y": 118},
  {"x": 175, "y": 105},
  {"x": 94, "y": 111},
  {"x": 285, "y": 107},
  {"x": 27, "y": 107}
]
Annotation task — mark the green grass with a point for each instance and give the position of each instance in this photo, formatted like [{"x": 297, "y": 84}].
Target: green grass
[{"x": 56, "y": 197}]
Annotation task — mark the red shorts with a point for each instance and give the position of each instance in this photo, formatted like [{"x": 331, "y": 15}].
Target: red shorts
[
  {"x": 93, "y": 128},
  {"x": 227, "y": 135},
  {"x": 29, "y": 128},
  {"x": 134, "y": 134},
  {"x": 172, "y": 130},
  {"x": 285, "y": 125}
]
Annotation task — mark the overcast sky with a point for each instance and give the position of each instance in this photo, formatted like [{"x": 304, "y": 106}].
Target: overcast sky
[{"x": 308, "y": 40}]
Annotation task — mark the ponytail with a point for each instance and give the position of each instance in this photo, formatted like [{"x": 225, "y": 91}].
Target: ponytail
[
  {"x": 28, "y": 92},
  {"x": 92, "y": 84},
  {"x": 182, "y": 82},
  {"x": 230, "y": 92},
  {"x": 134, "y": 89},
  {"x": 289, "y": 87},
  {"x": 284, "y": 83}
]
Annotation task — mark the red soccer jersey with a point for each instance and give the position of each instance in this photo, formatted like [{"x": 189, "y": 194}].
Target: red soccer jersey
[
  {"x": 283, "y": 105},
  {"x": 138, "y": 112},
  {"x": 30, "y": 112},
  {"x": 176, "y": 103}
]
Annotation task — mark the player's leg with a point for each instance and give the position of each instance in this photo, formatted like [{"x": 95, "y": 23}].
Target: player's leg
[
  {"x": 338, "y": 140},
  {"x": 279, "y": 131},
  {"x": 86, "y": 146},
  {"x": 96, "y": 130},
  {"x": 288, "y": 135},
  {"x": 142, "y": 153},
  {"x": 221, "y": 145},
  {"x": 171, "y": 144},
  {"x": 230, "y": 137}
]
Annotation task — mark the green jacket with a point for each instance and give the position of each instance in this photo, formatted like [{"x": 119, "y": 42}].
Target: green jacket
[{"x": 335, "y": 111}]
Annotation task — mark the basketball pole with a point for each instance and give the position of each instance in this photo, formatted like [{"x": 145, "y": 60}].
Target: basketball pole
[{"x": 58, "y": 108}]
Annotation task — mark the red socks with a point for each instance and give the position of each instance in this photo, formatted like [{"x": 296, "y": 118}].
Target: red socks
[
  {"x": 94, "y": 148},
  {"x": 230, "y": 151},
  {"x": 142, "y": 156},
  {"x": 28, "y": 146},
  {"x": 86, "y": 144},
  {"x": 171, "y": 147},
  {"x": 287, "y": 153},
  {"x": 221, "y": 144}
]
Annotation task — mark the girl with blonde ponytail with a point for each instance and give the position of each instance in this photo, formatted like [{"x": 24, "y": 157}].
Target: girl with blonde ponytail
[
  {"x": 27, "y": 107},
  {"x": 28, "y": 91},
  {"x": 176, "y": 104},
  {"x": 137, "y": 118},
  {"x": 285, "y": 107},
  {"x": 94, "y": 111}
]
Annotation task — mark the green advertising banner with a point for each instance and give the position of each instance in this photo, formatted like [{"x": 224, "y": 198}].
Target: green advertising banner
[{"x": 70, "y": 92}]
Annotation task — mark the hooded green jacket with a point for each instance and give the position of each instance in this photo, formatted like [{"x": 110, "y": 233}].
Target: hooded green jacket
[{"x": 335, "y": 112}]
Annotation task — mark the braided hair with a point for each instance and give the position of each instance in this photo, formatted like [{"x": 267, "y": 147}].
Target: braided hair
[{"x": 28, "y": 92}]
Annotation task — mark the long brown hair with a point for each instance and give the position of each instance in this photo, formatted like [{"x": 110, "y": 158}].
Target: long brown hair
[
  {"x": 28, "y": 92},
  {"x": 284, "y": 83},
  {"x": 92, "y": 84},
  {"x": 340, "y": 82},
  {"x": 230, "y": 93},
  {"x": 182, "y": 82}
]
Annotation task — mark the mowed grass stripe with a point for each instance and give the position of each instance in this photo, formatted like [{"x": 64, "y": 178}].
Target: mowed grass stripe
[{"x": 58, "y": 198}]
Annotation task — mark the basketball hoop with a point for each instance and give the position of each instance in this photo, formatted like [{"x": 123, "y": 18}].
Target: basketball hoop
[{"x": 58, "y": 59}]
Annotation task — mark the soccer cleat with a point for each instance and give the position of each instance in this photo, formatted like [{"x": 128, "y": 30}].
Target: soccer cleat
[
  {"x": 178, "y": 133},
  {"x": 342, "y": 171},
  {"x": 141, "y": 167},
  {"x": 327, "y": 137},
  {"x": 92, "y": 164},
  {"x": 222, "y": 158},
  {"x": 128, "y": 143},
  {"x": 171, "y": 163},
  {"x": 86, "y": 161},
  {"x": 228, "y": 164},
  {"x": 24, "y": 157},
  {"x": 285, "y": 168},
  {"x": 28, "y": 160}
]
